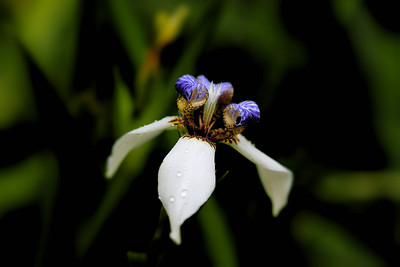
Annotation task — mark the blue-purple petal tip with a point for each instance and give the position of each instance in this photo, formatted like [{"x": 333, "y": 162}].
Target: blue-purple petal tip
[
  {"x": 185, "y": 85},
  {"x": 244, "y": 112},
  {"x": 251, "y": 110},
  {"x": 203, "y": 80}
]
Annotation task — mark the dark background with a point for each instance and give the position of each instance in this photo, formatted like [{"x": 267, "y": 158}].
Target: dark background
[{"x": 74, "y": 77}]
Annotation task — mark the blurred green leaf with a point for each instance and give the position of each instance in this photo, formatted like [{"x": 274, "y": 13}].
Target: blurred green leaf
[
  {"x": 359, "y": 186},
  {"x": 123, "y": 107},
  {"x": 378, "y": 52},
  {"x": 326, "y": 244},
  {"x": 218, "y": 238},
  {"x": 48, "y": 30},
  {"x": 16, "y": 99},
  {"x": 137, "y": 258},
  {"x": 131, "y": 32},
  {"x": 168, "y": 26},
  {"x": 26, "y": 183}
]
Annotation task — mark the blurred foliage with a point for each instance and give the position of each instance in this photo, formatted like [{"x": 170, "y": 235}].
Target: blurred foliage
[
  {"x": 75, "y": 75},
  {"x": 48, "y": 31},
  {"x": 18, "y": 189},
  {"x": 378, "y": 53},
  {"x": 345, "y": 187},
  {"x": 217, "y": 234},
  {"x": 330, "y": 245},
  {"x": 13, "y": 74}
]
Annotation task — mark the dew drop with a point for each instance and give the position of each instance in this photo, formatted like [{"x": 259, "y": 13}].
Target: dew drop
[
  {"x": 184, "y": 193},
  {"x": 179, "y": 174},
  {"x": 171, "y": 199}
]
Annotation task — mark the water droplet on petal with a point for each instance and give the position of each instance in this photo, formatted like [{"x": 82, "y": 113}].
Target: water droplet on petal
[
  {"x": 179, "y": 174},
  {"x": 171, "y": 199},
  {"x": 184, "y": 193}
]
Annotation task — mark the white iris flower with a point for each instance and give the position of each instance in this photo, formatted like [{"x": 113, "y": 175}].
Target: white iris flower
[{"x": 186, "y": 178}]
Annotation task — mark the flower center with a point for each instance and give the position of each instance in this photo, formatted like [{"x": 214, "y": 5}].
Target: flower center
[{"x": 206, "y": 110}]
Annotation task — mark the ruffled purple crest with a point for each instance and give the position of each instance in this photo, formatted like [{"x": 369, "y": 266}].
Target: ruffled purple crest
[
  {"x": 203, "y": 80},
  {"x": 226, "y": 89},
  {"x": 244, "y": 112},
  {"x": 187, "y": 85},
  {"x": 226, "y": 93},
  {"x": 251, "y": 110}
]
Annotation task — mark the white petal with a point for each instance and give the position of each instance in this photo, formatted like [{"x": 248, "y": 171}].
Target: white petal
[
  {"x": 276, "y": 179},
  {"x": 134, "y": 139},
  {"x": 186, "y": 180}
]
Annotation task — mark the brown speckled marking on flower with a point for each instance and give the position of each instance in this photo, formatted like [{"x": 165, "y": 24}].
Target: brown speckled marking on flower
[
  {"x": 201, "y": 138},
  {"x": 233, "y": 140},
  {"x": 177, "y": 121}
]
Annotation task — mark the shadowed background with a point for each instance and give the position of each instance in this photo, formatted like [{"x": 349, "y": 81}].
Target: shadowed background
[{"x": 76, "y": 75}]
